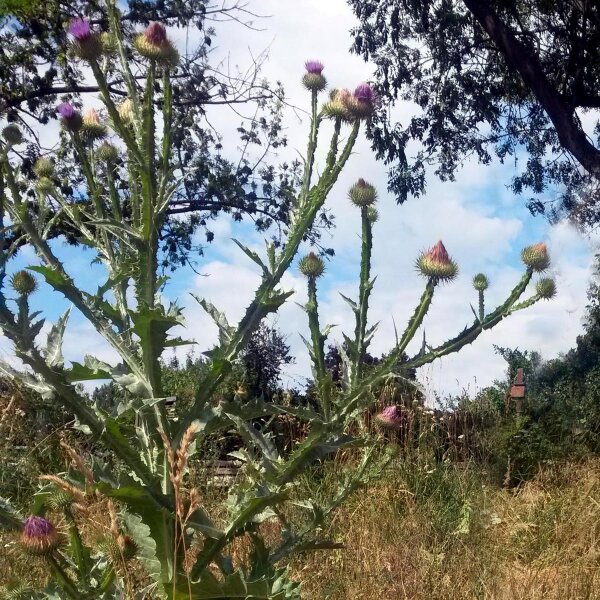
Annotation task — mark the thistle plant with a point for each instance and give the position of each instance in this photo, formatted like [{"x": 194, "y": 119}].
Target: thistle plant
[{"x": 155, "y": 518}]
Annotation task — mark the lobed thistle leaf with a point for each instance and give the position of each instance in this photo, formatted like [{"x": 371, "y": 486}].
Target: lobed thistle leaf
[
  {"x": 546, "y": 288},
  {"x": 436, "y": 263},
  {"x": 12, "y": 134},
  {"x": 362, "y": 193},
  {"x": 480, "y": 282},
  {"x": 311, "y": 266},
  {"x": 536, "y": 257}
]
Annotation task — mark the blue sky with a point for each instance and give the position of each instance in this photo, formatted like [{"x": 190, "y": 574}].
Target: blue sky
[{"x": 481, "y": 223}]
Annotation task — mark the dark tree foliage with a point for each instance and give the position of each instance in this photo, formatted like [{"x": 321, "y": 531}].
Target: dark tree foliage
[
  {"x": 36, "y": 73},
  {"x": 499, "y": 77}
]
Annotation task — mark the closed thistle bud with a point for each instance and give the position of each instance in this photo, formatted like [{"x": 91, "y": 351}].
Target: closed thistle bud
[
  {"x": 480, "y": 282},
  {"x": 86, "y": 43},
  {"x": 372, "y": 214},
  {"x": 12, "y": 134},
  {"x": 337, "y": 107},
  {"x": 107, "y": 153},
  {"x": 546, "y": 288},
  {"x": 43, "y": 167},
  {"x": 437, "y": 264},
  {"x": 39, "y": 537},
  {"x": 70, "y": 117},
  {"x": 390, "y": 418},
  {"x": 536, "y": 257},
  {"x": 44, "y": 185},
  {"x": 23, "y": 283},
  {"x": 362, "y": 193},
  {"x": 109, "y": 43},
  {"x": 313, "y": 79},
  {"x": 311, "y": 266},
  {"x": 155, "y": 45},
  {"x": 92, "y": 128}
]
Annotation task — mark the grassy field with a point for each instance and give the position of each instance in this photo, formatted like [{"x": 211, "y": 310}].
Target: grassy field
[{"x": 429, "y": 532}]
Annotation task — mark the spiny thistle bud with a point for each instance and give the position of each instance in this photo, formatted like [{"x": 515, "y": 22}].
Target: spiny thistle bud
[
  {"x": 92, "y": 128},
  {"x": 536, "y": 257},
  {"x": 337, "y": 107},
  {"x": 12, "y": 134},
  {"x": 44, "y": 185},
  {"x": 546, "y": 288},
  {"x": 70, "y": 117},
  {"x": 23, "y": 283},
  {"x": 86, "y": 43},
  {"x": 109, "y": 43},
  {"x": 362, "y": 193},
  {"x": 155, "y": 45},
  {"x": 313, "y": 79},
  {"x": 362, "y": 103},
  {"x": 437, "y": 264},
  {"x": 390, "y": 418},
  {"x": 311, "y": 266},
  {"x": 43, "y": 167},
  {"x": 372, "y": 214},
  {"x": 480, "y": 282},
  {"x": 126, "y": 111},
  {"x": 39, "y": 537},
  {"x": 107, "y": 153},
  {"x": 119, "y": 549}
]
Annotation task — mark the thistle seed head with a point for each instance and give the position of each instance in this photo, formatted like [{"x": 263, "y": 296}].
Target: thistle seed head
[
  {"x": 480, "y": 282},
  {"x": 43, "y": 167},
  {"x": 311, "y": 266},
  {"x": 12, "y": 134},
  {"x": 546, "y": 288},
  {"x": 39, "y": 537},
  {"x": 436, "y": 263},
  {"x": 362, "y": 194},
  {"x": 536, "y": 257},
  {"x": 23, "y": 282}
]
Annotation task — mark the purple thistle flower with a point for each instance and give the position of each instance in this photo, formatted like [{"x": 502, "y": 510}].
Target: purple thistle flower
[
  {"x": 156, "y": 34},
  {"x": 365, "y": 93},
  {"x": 314, "y": 67},
  {"x": 66, "y": 110},
  {"x": 80, "y": 29},
  {"x": 37, "y": 527},
  {"x": 39, "y": 536},
  {"x": 390, "y": 417}
]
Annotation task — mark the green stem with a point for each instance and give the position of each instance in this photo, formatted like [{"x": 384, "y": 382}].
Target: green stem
[
  {"x": 65, "y": 581},
  {"x": 481, "y": 306}
]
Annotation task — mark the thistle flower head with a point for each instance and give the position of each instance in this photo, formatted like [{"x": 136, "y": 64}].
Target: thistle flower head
[
  {"x": 86, "y": 43},
  {"x": 39, "y": 537},
  {"x": 43, "y": 167},
  {"x": 436, "y": 263},
  {"x": 390, "y": 418},
  {"x": 362, "y": 193},
  {"x": 536, "y": 257},
  {"x": 44, "y": 185},
  {"x": 12, "y": 134},
  {"x": 126, "y": 110},
  {"x": 314, "y": 67},
  {"x": 480, "y": 282},
  {"x": 23, "y": 282},
  {"x": 92, "y": 128},
  {"x": 546, "y": 288},
  {"x": 80, "y": 29},
  {"x": 338, "y": 105},
  {"x": 311, "y": 266},
  {"x": 155, "y": 45},
  {"x": 107, "y": 153},
  {"x": 362, "y": 103},
  {"x": 70, "y": 117}
]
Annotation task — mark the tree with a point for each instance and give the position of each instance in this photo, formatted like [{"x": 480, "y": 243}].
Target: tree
[
  {"x": 504, "y": 78},
  {"x": 37, "y": 72}
]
